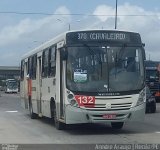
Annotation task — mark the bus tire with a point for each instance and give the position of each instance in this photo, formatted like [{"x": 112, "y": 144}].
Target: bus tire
[
  {"x": 52, "y": 105},
  {"x": 32, "y": 114},
  {"x": 59, "y": 125},
  {"x": 117, "y": 125}
]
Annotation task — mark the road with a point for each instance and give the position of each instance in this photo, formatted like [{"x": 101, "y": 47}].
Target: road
[{"x": 17, "y": 127}]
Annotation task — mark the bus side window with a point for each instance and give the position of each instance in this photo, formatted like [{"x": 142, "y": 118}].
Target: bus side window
[
  {"x": 52, "y": 61},
  {"x": 29, "y": 67},
  {"x": 22, "y": 70},
  {"x": 34, "y": 66},
  {"x": 45, "y": 63}
]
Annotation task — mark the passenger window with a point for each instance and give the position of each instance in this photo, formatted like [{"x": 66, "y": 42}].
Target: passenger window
[
  {"x": 29, "y": 70},
  {"x": 34, "y": 66},
  {"x": 22, "y": 70},
  {"x": 52, "y": 61},
  {"x": 45, "y": 63}
]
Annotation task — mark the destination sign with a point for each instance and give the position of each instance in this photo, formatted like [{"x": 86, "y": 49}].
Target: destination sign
[{"x": 103, "y": 36}]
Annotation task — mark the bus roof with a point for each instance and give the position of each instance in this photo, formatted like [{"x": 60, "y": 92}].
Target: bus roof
[
  {"x": 45, "y": 45},
  {"x": 62, "y": 37}
]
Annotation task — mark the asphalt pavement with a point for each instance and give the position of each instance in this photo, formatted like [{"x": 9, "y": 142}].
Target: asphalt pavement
[{"x": 17, "y": 127}]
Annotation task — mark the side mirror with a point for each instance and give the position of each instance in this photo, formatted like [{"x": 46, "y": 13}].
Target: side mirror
[
  {"x": 27, "y": 76},
  {"x": 64, "y": 54},
  {"x": 143, "y": 44},
  {"x": 144, "y": 54}
]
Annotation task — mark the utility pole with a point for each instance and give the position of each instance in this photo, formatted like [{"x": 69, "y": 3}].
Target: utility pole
[{"x": 116, "y": 15}]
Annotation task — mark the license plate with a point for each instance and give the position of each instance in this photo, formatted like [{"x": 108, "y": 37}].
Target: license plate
[{"x": 109, "y": 116}]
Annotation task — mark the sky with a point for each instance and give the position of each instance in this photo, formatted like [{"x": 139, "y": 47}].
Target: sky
[{"x": 25, "y": 24}]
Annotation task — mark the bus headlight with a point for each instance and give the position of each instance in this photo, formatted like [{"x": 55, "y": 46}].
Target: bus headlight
[
  {"x": 142, "y": 97},
  {"x": 72, "y": 100},
  {"x": 70, "y": 96}
]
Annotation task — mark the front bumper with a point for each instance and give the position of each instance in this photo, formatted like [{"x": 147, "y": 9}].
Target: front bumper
[
  {"x": 12, "y": 91},
  {"x": 76, "y": 115}
]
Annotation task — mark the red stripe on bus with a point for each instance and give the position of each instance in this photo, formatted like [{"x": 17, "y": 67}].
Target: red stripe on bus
[{"x": 29, "y": 87}]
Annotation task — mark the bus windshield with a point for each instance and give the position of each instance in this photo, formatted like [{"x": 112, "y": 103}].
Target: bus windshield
[
  {"x": 12, "y": 84},
  {"x": 152, "y": 74},
  {"x": 104, "y": 68}
]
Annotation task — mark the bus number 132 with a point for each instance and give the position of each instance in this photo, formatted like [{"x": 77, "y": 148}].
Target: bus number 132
[{"x": 87, "y": 101}]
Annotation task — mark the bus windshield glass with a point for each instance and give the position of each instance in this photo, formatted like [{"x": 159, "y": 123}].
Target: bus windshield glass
[
  {"x": 152, "y": 74},
  {"x": 104, "y": 68},
  {"x": 12, "y": 84}
]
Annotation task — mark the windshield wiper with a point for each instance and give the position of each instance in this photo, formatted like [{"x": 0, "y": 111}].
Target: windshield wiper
[
  {"x": 93, "y": 53},
  {"x": 118, "y": 59},
  {"x": 121, "y": 51}
]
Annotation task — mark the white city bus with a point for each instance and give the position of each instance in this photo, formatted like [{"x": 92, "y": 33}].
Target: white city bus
[
  {"x": 11, "y": 86},
  {"x": 92, "y": 76}
]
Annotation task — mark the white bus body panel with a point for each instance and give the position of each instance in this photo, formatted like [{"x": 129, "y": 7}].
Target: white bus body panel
[
  {"x": 34, "y": 96},
  {"x": 48, "y": 91},
  {"x": 58, "y": 80},
  {"x": 24, "y": 89},
  {"x": 76, "y": 115}
]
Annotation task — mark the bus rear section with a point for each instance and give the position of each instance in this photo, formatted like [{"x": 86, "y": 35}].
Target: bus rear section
[
  {"x": 153, "y": 78},
  {"x": 98, "y": 77}
]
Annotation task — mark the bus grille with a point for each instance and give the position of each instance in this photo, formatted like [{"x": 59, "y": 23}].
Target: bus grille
[
  {"x": 114, "y": 107},
  {"x": 113, "y": 102}
]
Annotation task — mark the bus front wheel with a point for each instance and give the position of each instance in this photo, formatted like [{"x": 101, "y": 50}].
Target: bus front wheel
[{"x": 117, "y": 125}]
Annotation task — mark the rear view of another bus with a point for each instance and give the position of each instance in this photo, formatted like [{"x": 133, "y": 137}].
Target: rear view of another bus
[
  {"x": 152, "y": 77},
  {"x": 11, "y": 86}
]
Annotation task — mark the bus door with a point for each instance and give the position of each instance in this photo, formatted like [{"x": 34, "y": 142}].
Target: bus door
[
  {"x": 39, "y": 84},
  {"x": 62, "y": 87},
  {"x": 61, "y": 72}
]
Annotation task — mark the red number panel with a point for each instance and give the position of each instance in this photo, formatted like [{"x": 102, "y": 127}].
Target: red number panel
[{"x": 86, "y": 101}]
